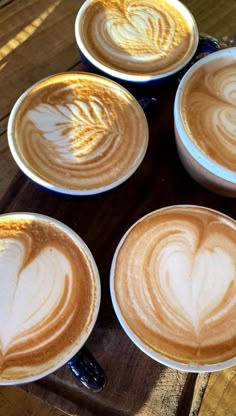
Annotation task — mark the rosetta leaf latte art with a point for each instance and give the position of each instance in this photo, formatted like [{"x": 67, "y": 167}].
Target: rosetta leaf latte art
[
  {"x": 29, "y": 294},
  {"x": 81, "y": 134},
  {"x": 76, "y": 129}
]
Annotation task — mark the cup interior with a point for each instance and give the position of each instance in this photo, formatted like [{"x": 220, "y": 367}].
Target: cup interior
[{"x": 85, "y": 133}]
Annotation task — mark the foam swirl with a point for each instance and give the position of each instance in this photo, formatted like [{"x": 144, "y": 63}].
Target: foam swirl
[
  {"x": 75, "y": 131},
  {"x": 209, "y": 110},
  {"x": 26, "y": 310},
  {"x": 138, "y": 36},
  {"x": 175, "y": 281},
  {"x": 44, "y": 280},
  {"x": 81, "y": 132}
]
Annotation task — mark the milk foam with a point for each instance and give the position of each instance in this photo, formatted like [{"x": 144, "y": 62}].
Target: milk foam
[
  {"x": 80, "y": 132},
  {"x": 175, "y": 282},
  {"x": 29, "y": 295},
  {"x": 139, "y": 37},
  {"x": 209, "y": 110},
  {"x": 77, "y": 129}
]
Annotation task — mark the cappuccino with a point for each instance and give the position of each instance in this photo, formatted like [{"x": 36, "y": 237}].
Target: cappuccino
[
  {"x": 49, "y": 296},
  {"x": 78, "y": 133},
  {"x": 136, "y": 40},
  {"x": 205, "y": 121},
  {"x": 173, "y": 286}
]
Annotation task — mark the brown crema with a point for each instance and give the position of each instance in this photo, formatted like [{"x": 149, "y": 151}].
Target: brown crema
[{"x": 48, "y": 297}]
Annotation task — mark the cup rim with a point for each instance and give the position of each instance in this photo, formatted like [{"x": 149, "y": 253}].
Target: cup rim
[
  {"x": 97, "y": 298},
  {"x": 208, "y": 163},
  {"x": 160, "y": 358},
  {"x": 140, "y": 78},
  {"x": 26, "y": 169}
]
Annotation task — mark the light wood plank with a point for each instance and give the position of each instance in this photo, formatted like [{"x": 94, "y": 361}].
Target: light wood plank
[
  {"x": 220, "y": 394},
  {"x": 15, "y": 402}
]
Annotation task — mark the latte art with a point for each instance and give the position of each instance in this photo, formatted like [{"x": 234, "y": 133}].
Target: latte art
[
  {"x": 47, "y": 294},
  {"x": 138, "y": 37},
  {"x": 79, "y": 132},
  {"x": 175, "y": 284},
  {"x": 209, "y": 110}
]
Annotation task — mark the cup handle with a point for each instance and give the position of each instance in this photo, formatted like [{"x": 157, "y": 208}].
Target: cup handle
[
  {"x": 87, "y": 370},
  {"x": 148, "y": 104},
  {"x": 206, "y": 45}
]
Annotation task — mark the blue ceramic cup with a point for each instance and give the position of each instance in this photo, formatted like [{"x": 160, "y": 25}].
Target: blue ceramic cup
[{"x": 142, "y": 42}]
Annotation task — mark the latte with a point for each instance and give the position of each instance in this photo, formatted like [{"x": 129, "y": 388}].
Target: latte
[
  {"x": 136, "y": 40},
  {"x": 49, "y": 296},
  {"x": 205, "y": 121},
  {"x": 173, "y": 286},
  {"x": 208, "y": 107},
  {"x": 78, "y": 133}
]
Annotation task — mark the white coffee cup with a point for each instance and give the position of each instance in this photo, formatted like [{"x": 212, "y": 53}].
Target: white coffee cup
[
  {"x": 205, "y": 121},
  {"x": 173, "y": 287},
  {"x": 50, "y": 296}
]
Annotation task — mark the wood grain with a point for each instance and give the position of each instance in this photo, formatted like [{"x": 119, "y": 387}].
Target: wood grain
[
  {"x": 38, "y": 41},
  {"x": 217, "y": 18},
  {"x": 15, "y": 402},
  {"x": 220, "y": 395}
]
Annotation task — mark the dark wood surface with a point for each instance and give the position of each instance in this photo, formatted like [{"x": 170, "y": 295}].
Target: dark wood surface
[{"x": 137, "y": 385}]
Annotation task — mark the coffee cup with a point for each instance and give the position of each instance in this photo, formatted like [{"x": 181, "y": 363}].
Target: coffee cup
[
  {"x": 173, "y": 287},
  {"x": 205, "y": 121},
  {"x": 50, "y": 298},
  {"x": 137, "y": 41},
  {"x": 78, "y": 133}
]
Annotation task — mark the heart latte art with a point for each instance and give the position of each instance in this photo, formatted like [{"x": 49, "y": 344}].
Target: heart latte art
[
  {"x": 175, "y": 284},
  {"x": 48, "y": 297},
  {"x": 139, "y": 37},
  {"x": 78, "y": 133}
]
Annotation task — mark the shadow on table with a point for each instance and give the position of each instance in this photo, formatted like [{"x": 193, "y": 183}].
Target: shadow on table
[{"x": 37, "y": 41}]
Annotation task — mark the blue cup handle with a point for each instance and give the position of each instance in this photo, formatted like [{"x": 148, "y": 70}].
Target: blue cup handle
[
  {"x": 87, "y": 370},
  {"x": 206, "y": 45},
  {"x": 148, "y": 104}
]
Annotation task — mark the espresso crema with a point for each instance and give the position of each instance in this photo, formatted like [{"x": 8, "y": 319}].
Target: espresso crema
[
  {"x": 48, "y": 294},
  {"x": 175, "y": 284},
  {"x": 138, "y": 37},
  {"x": 208, "y": 110},
  {"x": 78, "y": 132}
]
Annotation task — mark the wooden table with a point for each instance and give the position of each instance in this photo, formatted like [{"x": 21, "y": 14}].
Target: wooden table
[{"x": 36, "y": 40}]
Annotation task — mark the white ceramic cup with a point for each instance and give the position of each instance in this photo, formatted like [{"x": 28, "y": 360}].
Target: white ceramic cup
[
  {"x": 171, "y": 284},
  {"x": 205, "y": 166}
]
